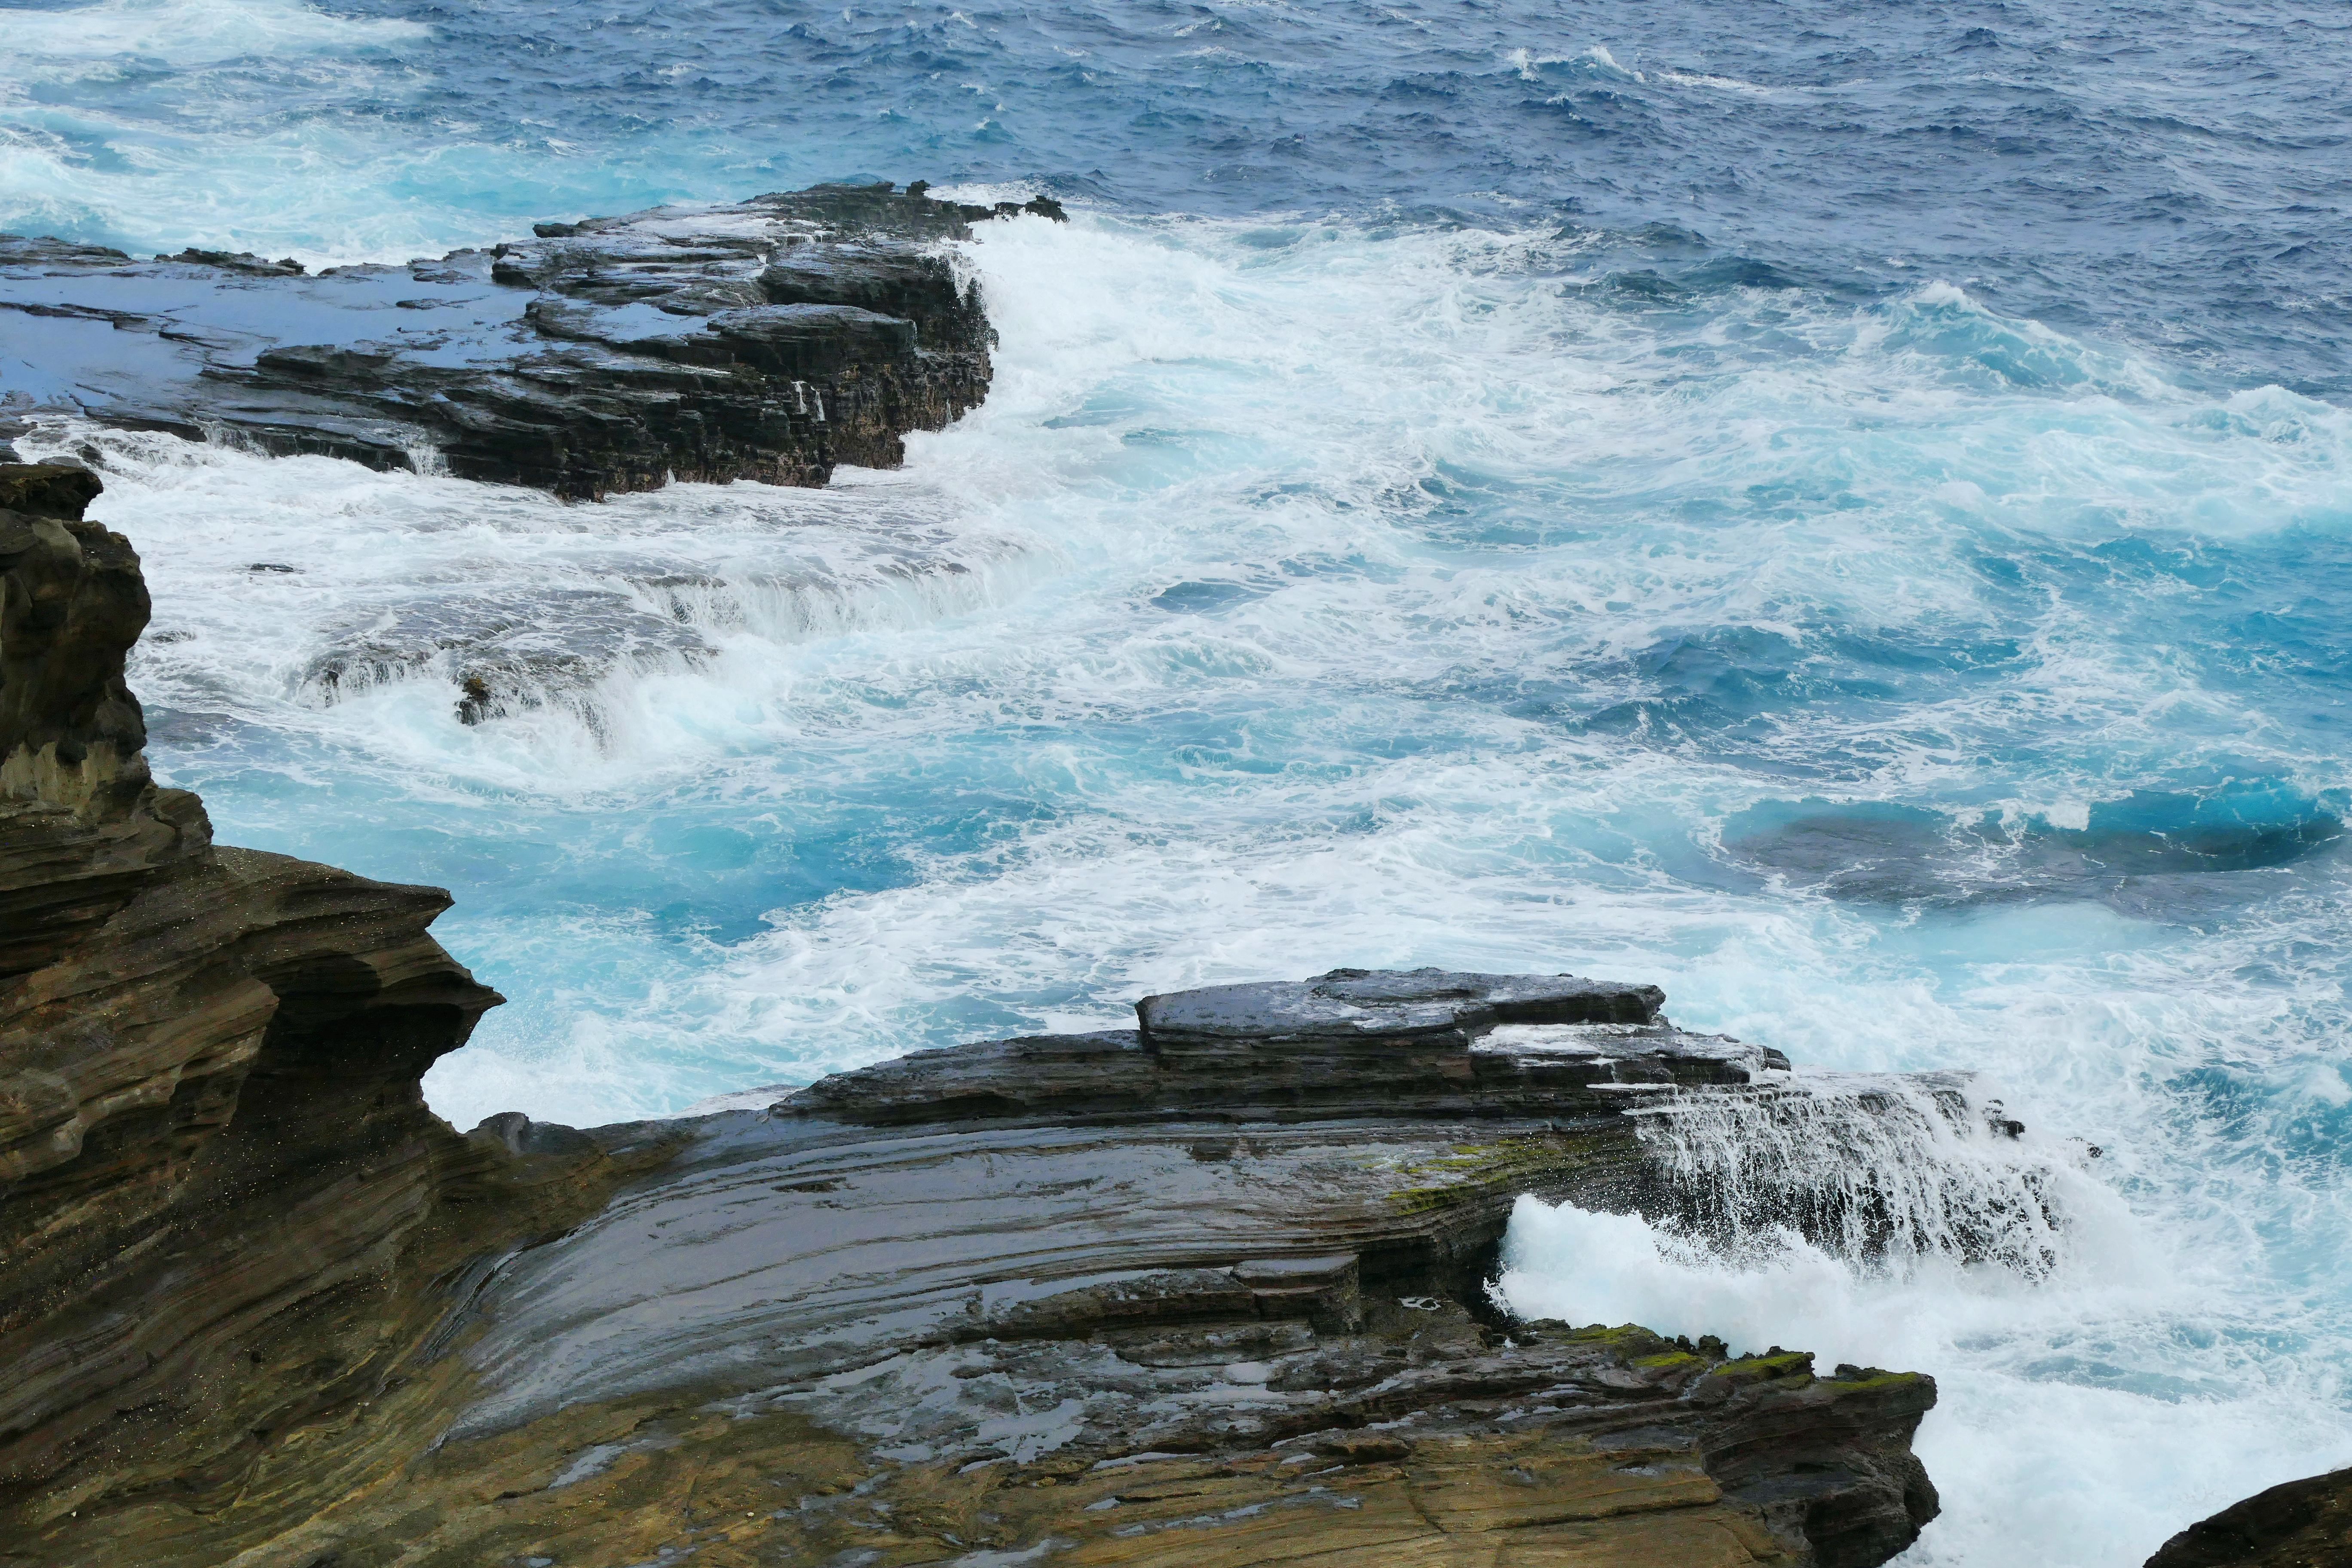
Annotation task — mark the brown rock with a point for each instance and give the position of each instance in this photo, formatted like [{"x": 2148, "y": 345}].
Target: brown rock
[
  {"x": 48, "y": 489},
  {"x": 210, "y": 1125}
]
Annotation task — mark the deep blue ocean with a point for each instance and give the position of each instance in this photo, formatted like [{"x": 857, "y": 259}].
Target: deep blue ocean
[{"x": 1844, "y": 511}]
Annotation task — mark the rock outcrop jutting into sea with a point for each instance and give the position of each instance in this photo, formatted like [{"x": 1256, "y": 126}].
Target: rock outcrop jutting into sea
[
  {"x": 1206, "y": 1290},
  {"x": 763, "y": 340}
]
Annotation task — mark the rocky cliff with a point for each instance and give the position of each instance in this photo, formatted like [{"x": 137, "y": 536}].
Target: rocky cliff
[
  {"x": 209, "y": 1116},
  {"x": 1206, "y": 1290},
  {"x": 765, "y": 340}
]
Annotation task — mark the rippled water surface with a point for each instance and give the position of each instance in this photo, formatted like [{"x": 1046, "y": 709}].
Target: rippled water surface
[{"x": 1844, "y": 511}]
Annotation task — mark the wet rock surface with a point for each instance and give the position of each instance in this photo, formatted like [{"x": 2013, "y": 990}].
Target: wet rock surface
[
  {"x": 1208, "y": 1290},
  {"x": 1228, "y": 1337},
  {"x": 1352, "y": 1042},
  {"x": 766, "y": 340}
]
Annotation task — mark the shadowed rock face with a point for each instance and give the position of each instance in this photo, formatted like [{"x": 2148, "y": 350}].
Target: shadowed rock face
[
  {"x": 81, "y": 823},
  {"x": 208, "y": 1057},
  {"x": 1209, "y": 1291},
  {"x": 70, "y": 732},
  {"x": 2301, "y": 1524},
  {"x": 766, "y": 340}
]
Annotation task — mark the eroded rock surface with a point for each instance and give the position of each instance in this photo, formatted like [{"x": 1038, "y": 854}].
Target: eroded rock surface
[
  {"x": 766, "y": 340},
  {"x": 1236, "y": 1329},
  {"x": 2299, "y": 1524},
  {"x": 1209, "y": 1291},
  {"x": 213, "y": 1156}
]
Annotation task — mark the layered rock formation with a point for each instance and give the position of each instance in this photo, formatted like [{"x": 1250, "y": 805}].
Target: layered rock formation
[
  {"x": 1208, "y": 1290},
  {"x": 1212, "y": 1286},
  {"x": 767, "y": 340},
  {"x": 209, "y": 1116}
]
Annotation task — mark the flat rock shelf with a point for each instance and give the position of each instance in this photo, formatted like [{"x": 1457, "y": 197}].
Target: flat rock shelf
[
  {"x": 767, "y": 340},
  {"x": 1209, "y": 1290}
]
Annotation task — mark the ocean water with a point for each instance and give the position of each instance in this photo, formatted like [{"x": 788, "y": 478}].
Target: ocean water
[{"x": 1846, "y": 513}]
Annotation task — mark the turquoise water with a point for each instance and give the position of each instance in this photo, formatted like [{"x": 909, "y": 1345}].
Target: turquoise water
[{"x": 1844, "y": 518}]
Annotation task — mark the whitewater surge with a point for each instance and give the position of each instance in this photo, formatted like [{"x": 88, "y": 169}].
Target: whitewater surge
[
  {"x": 2086, "y": 1401},
  {"x": 1389, "y": 591}
]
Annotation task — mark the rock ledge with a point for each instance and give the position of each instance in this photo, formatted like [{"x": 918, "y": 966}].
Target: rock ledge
[{"x": 1207, "y": 1290}]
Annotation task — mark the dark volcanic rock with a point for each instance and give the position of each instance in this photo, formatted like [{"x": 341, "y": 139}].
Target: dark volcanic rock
[
  {"x": 767, "y": 340},
  {"x": 238, "y": 261},
  {"x": 1349, "y": 1043},
  {"x": 2301, "y": 1524},
  {"x": 1367, "y": 1005}
]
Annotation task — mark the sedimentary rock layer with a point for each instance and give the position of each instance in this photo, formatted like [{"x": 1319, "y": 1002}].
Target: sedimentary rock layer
[
  {"x": 1215, "y": 1309},
  {"x": 766, "y": 340},
  {"x": 1208, "y": 1290},
  {"x": 209, "y": 1115}
]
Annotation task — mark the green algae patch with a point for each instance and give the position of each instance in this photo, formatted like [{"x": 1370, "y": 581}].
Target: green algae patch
[
  {"x": 1767, "y": 1368},
  {"x": 1872, "y": 1380},
  {"x": 1629, "y": 1341},
  {"x": 1479, "y": 1171}
]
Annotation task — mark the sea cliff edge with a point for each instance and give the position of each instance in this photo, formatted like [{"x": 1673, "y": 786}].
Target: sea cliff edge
[{"x": 1210, "y": 1289}]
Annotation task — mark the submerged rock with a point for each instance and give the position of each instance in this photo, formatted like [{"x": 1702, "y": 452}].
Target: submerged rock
[
  {"x": 1211, "y": 1290},
  {"x": 766, "y": 340}
]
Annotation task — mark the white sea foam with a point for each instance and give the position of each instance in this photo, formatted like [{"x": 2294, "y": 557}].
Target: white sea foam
[
  {"x": 1593, "y": 60},
  {"x": 2079, "y": 1423},
  {"x": 246, "y": 126},
  {"x": 1719, "y": 83},
  {"x": 44, "y": 45},
  {"x": 2127, "y": 1368},
  {"x": 315, "y": 597}
]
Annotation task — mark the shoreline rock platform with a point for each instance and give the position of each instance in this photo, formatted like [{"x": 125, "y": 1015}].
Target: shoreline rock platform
[
  {"x": 768, "y": 340},
  {"x": 1209, "y": 1290}
]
